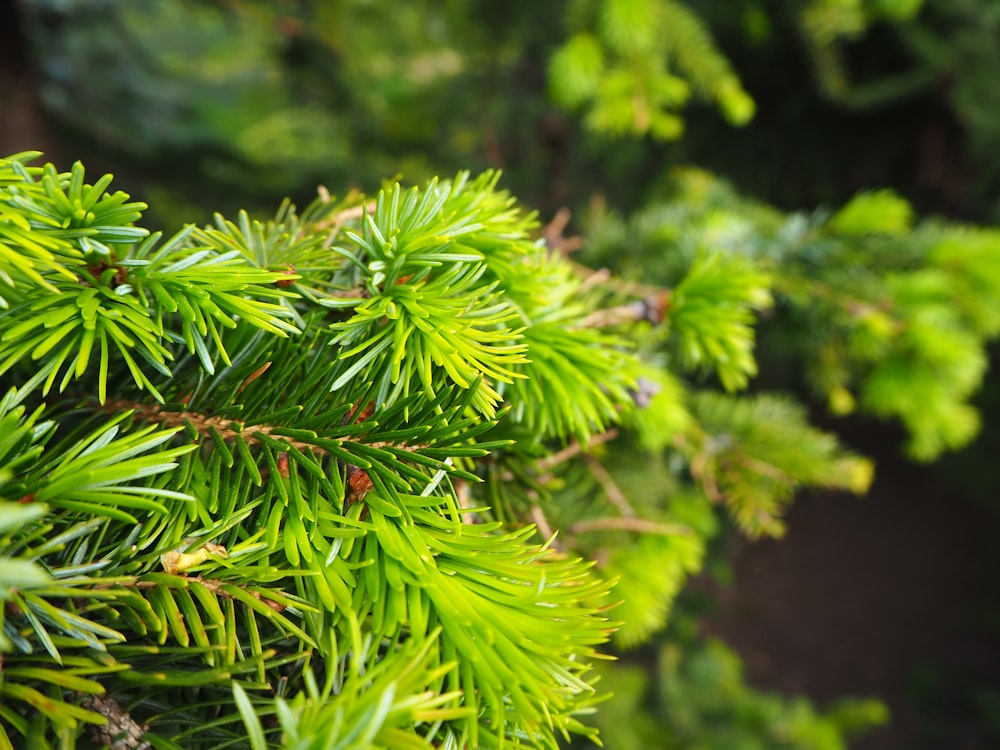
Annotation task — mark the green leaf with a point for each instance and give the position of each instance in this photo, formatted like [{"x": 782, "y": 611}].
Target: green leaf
[{"x": 255, "y": 731}]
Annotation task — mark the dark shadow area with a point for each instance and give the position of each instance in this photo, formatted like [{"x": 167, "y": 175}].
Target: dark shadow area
[{"x": 888, "y": 595}]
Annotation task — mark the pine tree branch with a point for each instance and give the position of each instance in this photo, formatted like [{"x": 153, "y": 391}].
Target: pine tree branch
[
  {"x": 759, "y": 467},
  {"x": 603, "y": 276},
  {"x": 209, "y": 584},
  {"x": 653, "y": 308},
  {"x": 574, "y": 449},
  {"x": 232, "y": 428},
  {"x": 552, "y": 233},
  {"x": 541, "y": 522},
  {"x": 204, "y": 424},
  {"x": 641, "y": 525},
  {"x": 611, "y": 489},
  {"x": 122, "y": 732},
  {"x": 336, "y": 222}
]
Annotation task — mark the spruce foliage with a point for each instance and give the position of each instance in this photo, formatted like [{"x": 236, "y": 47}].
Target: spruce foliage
[
  {"x": 365, "y": 475},
  {"x": 634, "y": 63},
  {"x": 249, "y": 487},
  {"x": 889, "y": 316}
]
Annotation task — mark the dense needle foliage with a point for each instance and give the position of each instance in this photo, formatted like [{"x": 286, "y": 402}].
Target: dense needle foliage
[
  {"x": 284, "y": 481},
  {"x": 270, "y": 479},
  {"x": 402, "y": 470}
]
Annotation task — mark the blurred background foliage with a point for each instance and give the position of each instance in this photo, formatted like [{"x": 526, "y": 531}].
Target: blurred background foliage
[
  {"x": 593, "y": 105},
  {"x": 261, "y": 99}
]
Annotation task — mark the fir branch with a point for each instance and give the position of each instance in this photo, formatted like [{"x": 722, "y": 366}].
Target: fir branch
[
  {"x": 572, "y": 450},
  {"x": 553, "y": 235},
  {"x": 204, "y": 425},
  {"x": 629, "y": 523},
  {"x": 121, "y": 732},
  {"x": 544, "y": 527},
  {"x": 611, "y": 489},
  {"x": 253, "y": 433},
  {"x": 314, "y": 553}
]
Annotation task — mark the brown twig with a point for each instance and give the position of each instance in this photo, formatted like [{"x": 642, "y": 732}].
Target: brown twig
[
  {"x": 652, "y": 308},
  {"x": 541, "y": 522},
  {"x": 611, "y": 489},
  {"x": 337, "y": 221},
  {"x": 121, "y": 732},
  {"x": 230, "y": 429},
  {"x": 600, "y": 276},
  {"x": 552, "y": 233},
  {"x": 204, "y": 424},
  {"x": 611, "y": 316},
  {"x": 575, "y": 449},
  {"x": 641, "y": 525},
  {"x": 763, "y": 468},
  {"x": 216, "y": 587},
  {"x": 633, "y": 288}
]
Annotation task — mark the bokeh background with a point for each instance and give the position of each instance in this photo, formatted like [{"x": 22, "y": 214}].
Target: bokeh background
[{"x": 199, "y": 107}]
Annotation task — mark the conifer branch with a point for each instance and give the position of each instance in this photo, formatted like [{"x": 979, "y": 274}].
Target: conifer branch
[
  {"x": 334, "y": 224},
  {"x": 575, "y": 448},
  {"x": 611, "y": 490},
  {"x": 121, "y": 732},
  {"x": 553, "y": 235},
  {"x": 629, "y": 523},
  {"x": 541, "y": 522},
  {"x": 216, "y": 587},
  {"x": 403, "y": 339},
  {"x": 231, "y": 429}
]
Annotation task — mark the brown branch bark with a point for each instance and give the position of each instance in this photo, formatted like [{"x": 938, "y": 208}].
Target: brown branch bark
[
  {"x": 122, "y": 732},
  {"x": 231, "y": 428},
  {"x": 641, "y": 525}
]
